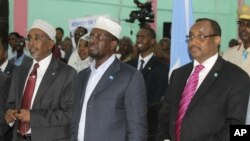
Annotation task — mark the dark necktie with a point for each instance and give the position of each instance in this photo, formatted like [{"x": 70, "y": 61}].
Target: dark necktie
[
  {"x": 141, "y": 66},
  {"x": 186, "y": 98},
  {"x": 27, "y": 97}
]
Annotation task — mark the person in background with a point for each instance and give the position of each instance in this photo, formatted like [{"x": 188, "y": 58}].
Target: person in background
[
  {"x": 4, "y": 87},
  {"x": 198, "y": 105},
  {"x": 155, "y": 73},
  {"x": 240, "y": 55},
  {"x": 110, "y": 98},
  {"x": 233, "y": 42},
  {"x": 7, "y": 68},
  {"x": 20, "y": 58},
  {"x": 80, "y": 59},
  {"x": 5, "y": 65},
  {"x": 79, "y": 32},
  {"x": 12, "y": 40},
  {"x": 67, "y": 47},
  {"x": 162, "y": 51},
  {"x": 59, "y": 36},
  {"x": 40, "y": 101},
  {"x": 125, "y": 48}
]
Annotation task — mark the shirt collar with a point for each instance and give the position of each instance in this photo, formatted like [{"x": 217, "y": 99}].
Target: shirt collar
[
  {"x": 43, "y": 64},
  {"x": 104, "y": 65},
  {"x": 4, "y": 65},
  {"x": 147, "y": 58},
  {"x": 209, "y": 63}
]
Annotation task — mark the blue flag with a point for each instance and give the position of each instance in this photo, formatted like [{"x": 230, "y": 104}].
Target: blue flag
[{"x": 182, "y": 20}]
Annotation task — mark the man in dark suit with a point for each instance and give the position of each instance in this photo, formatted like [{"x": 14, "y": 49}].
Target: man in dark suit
[
  {"x": 110, "y": 99},
  {"x": 220, "y": 95},
  {"x": 4, "y": 87},
  {"x": 40, "y": 100},
  {"x": 5, "y": 65},
  {"x": 20, "y": 58},
  {"x": 155, "y": 73}
]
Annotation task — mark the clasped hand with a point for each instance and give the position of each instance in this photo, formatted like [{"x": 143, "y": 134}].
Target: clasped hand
[{"x": 14, "y": 114}]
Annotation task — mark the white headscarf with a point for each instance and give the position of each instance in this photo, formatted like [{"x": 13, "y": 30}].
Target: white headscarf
[{"x": 76, "y": 62}]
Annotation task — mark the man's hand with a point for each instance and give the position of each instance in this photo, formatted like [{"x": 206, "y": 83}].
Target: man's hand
[
  {"x": 10, "y": 115},
  {"x": 23, "y": 115}
]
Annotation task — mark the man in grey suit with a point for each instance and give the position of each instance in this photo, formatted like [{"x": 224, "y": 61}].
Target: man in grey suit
[
  {"x": 110, "y": 100},
  {"x": 219, "y": 98},
  {"x": 40, "y": 101}
]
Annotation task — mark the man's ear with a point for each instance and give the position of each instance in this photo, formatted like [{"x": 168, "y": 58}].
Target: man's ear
[
  {"x": 51, "y": 44},
  {"x": 153, "y": 42},
  {"x": 114, "y": 44},
  {"x": 217, "y": 40}
]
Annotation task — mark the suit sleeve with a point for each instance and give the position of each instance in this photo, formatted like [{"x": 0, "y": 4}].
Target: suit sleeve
[
  {"x": 160, "y": 84},
  {"x": 136, "y": 109},
  {"x": 163, "y": 115},
  {"x": 5, "y": 83}
]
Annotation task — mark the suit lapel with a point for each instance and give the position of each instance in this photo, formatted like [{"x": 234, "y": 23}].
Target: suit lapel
[
  {"x": 181, "y": 84},
  {"x": 107, "y": 77},
  {"x": 149, "y": 66},
  {"x": 48, "y": 78},
  {"x": 22, "y": 81},
  {"x": 83, "y": 82},
  {"x": 207, "y": 82}
]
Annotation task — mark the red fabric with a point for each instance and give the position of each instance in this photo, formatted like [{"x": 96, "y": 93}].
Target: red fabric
[
  {"x": 56, "y": 51},
  {"x": 27, "y": 97}
]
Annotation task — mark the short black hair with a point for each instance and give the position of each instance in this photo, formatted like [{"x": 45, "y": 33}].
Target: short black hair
[
  {"x": 84, "y": 29},
  {"x": 59, "y": 28},
  {"x": 16, "y": 34},
  {"x": 214, "y": 24},
  {"x": 150, "y": 31},
  {"x": 4, "y": 42}
]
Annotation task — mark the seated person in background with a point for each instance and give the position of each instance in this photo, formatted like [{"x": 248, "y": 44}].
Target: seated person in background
[{"x": 80, "y": 59}]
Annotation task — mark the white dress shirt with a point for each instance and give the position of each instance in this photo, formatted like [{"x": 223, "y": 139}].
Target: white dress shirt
[
  {"x": 146, "y": 59},
  {"x": 208, "y": 64},
  {"x": 4, "y": 65},
  {"x": 94, "y": 78}
]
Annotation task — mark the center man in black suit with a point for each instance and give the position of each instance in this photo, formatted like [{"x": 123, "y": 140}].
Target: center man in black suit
[
  {"x": 110, "y": 100},
  {"x": 155, "y": 73},
  {"x": 219, "y": 99},
  {"x": 44, "y": 113}
]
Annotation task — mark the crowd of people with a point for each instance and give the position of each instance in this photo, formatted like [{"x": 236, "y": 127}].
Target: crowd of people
[{"x": 101, "y": 86}]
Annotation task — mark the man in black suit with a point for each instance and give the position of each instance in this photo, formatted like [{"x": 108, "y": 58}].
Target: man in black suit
[
  {"x": 4, "y": 87},
  {"x": 40, "y": 101},
  {"x": 110, "y": 99},
  {"x": 155, "y": 73},
  {"x": 5, "y": 65},
  {"x": 219, "y": 99}
]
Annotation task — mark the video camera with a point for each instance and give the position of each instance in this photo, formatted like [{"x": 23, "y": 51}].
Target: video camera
[{"x": 144, "y": 15}]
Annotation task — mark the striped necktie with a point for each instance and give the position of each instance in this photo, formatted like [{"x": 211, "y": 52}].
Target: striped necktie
[{"x": 186, "y": 98}]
